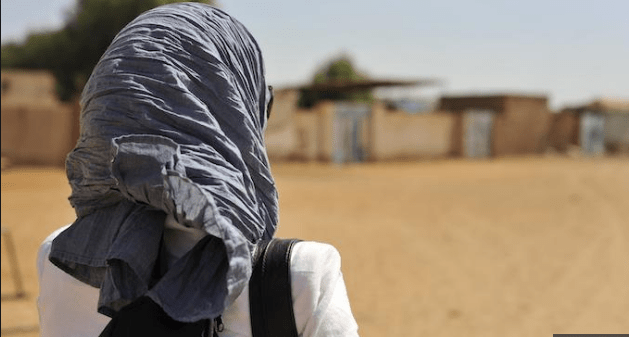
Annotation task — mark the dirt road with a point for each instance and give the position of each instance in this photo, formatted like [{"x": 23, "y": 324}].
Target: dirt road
[{"x": 508, "y": 247}]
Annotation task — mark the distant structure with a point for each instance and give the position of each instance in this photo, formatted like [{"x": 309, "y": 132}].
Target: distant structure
[
  {"x": 342, "y": 131},
  {"x": 36, "y": 127},
  {"x": 469, "y": 126},
  {"x": 498, "y": 125},
  {"x": 601, "y": 126}
]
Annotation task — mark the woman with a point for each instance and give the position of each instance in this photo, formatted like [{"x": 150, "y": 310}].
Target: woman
[{"x": 170, "y": 179}]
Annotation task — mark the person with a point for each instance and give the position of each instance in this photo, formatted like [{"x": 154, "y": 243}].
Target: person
[{"x": 172, "y": 188}]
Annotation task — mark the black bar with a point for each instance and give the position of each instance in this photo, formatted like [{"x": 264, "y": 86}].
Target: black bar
[{"x": 591, "y": 335}]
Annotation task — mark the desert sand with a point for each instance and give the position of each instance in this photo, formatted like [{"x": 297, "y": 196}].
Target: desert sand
[{"x": 504, "y": 247}]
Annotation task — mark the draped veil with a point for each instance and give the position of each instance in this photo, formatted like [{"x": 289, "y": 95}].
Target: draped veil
[{"x": 172, "y": 122}]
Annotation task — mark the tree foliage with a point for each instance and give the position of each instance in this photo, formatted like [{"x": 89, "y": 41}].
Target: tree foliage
[
  {"x": 72, "y": 52},
  {"x": 337, "y": 71}
]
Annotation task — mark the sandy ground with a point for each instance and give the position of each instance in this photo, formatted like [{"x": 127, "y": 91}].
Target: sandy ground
[{"x": 508, "y": 247}]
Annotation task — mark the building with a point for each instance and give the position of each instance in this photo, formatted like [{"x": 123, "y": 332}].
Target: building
[
  {"x": 601, "y": 126},
  {"x": 469, "y": 126},
  {"x": 338, "y": 131},
  {"x": 498, "y": 125},
  {"x": 36, "y": 127}
]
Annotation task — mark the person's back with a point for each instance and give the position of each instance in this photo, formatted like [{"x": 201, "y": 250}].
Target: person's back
[
  {"x": 172, "y": 187},
  {"x": 67, "y": 307}
]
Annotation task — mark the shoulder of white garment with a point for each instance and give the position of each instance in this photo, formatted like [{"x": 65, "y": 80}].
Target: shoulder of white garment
[
  {"x": 320, "y": 300},
  {"x": 66, "y": 306},
  {"x": 311, "y": 256},
  {"x": 44, "y": 249},
  {"x": 319, "y": 297},
  {"x": 315, "y": 269}
]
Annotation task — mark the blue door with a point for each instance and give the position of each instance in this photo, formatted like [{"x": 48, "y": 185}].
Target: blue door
[
  {"x": 592, "y": 137},
  {"x": 350, "y": 120},
  {"x": 477, "y": 128}
]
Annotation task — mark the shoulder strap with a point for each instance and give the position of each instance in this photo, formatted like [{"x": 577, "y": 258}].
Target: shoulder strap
[{"x": 270, "y": 297}]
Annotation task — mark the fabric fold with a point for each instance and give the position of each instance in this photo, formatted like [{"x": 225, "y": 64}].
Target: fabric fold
[{"x": 172, "y": 123}]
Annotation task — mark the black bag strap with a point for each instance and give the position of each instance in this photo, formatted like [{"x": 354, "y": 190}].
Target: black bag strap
[{"x": 270, "y": 297}]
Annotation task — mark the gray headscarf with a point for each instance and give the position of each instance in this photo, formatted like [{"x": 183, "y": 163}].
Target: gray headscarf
[{"x": 172, "y": 122}]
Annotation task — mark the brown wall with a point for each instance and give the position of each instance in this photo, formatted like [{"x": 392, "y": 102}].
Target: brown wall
[
  {"x": 617, "y": 132},
  {"x": 399, "y": 135},
  {"x": 32, "y": 88},
  {"x": 307, "y": 136},
  {"x": 302, "y": 134},
  {"x": 37, "y": 135},
  {"x": 280, "y": 130},
  {"x": 462, "y": 103},
  {"x": 563, "y": 131},
  {"x": 281, "y": 142},
  {"x": 522, "y": 127},
  {"x": 521, "y": 123},
  {"x": 325, "y": 139},
  {"x": 36, "y": 127}
]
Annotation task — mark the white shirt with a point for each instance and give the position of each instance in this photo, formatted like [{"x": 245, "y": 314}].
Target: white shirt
[{"x": 67, "y": 307}]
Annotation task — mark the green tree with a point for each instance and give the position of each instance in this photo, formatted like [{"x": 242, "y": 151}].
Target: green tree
[
  {"x": 72, "y": 52},
  {"x": 338, "y": 71}
]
